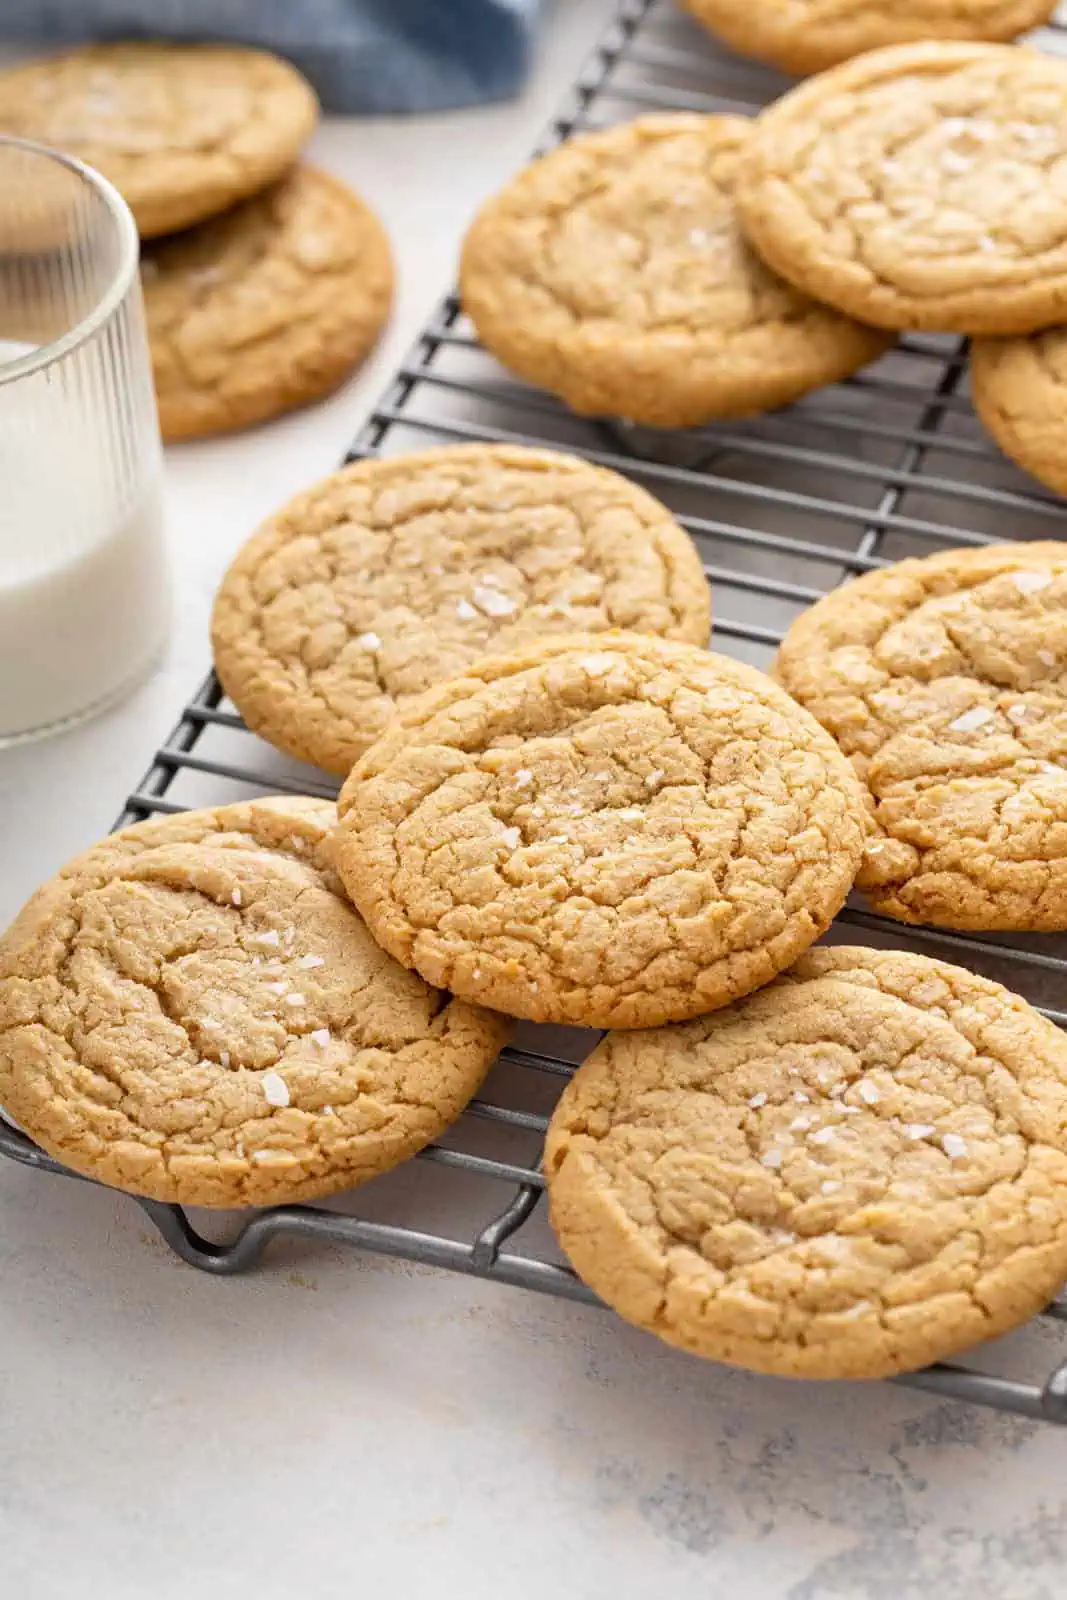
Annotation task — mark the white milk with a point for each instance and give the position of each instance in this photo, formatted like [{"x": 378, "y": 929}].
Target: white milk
[{"x": 83, "y": 592}]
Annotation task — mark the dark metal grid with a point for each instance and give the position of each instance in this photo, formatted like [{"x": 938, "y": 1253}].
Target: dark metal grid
[{"x": 888, "y": 464}]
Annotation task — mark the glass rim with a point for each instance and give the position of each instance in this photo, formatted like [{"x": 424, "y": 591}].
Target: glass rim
[{"x": 45, "y": 355}]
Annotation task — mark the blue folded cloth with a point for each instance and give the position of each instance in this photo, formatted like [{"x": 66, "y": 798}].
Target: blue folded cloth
[{"x": 361, "y": 55}]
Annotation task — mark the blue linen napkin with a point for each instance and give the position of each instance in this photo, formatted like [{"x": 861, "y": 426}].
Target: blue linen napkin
[{"x": 361, "y": 55}]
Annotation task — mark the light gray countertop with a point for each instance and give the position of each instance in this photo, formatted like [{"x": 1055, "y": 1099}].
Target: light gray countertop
[{"x": 336, "y": 1425}]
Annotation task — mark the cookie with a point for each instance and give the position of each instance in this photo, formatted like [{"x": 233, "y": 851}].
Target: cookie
[
  {"x": 391, "y": 576},
  {"x": 192, "y": 1012},
  {"x": 945, "y": 681},
  {"x": 857, "y": 1172},
  {"x": 802, "y": 36},
  {"x": 611, "y": 831},
  {"x": 914, "y": 187},
  {"x": 612, "y": 271},
  {"x": 1019, "y": 388},
  {"x": 267, "y": 307},
  {"x": 182, "y": 131}
]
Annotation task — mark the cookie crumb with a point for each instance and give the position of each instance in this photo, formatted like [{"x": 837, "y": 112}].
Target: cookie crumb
[{"x": 1046, "y": 658}]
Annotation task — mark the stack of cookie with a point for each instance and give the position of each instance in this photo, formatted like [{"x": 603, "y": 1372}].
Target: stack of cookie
[
  {"x": 681, "y": 268},
  {"x": 266, "y": 281},
  {"x": 563, "y": 808}
]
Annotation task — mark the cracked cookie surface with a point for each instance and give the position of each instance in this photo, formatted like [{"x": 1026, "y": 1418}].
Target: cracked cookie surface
[
  {"x": 182, "y": 131},
  {"x": 854, "y": 1173},
  {"x": 945, "y": 681},
  {"x": 392, "y": 576},
  {"x": 802, "y": 36},
  {"x": 611, "y": 831},
  {"x": 265, "y": 308},
  {"x": 192, "y": 1012},
  {"x": 1019, "y": 388},
  {"x": 917, "y": 187},
  {"x": 613, "y": 272}
]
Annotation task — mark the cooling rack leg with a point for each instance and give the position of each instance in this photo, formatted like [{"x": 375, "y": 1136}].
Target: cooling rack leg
[{"x": 218, "y": 1259}]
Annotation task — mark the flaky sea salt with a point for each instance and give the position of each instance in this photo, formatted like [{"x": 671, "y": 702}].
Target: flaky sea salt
[
  {"x": 224, "y": 1058},
  {"x": 512, "y": 837},
  {"x": 799, "y": 1124},
  {"x": 1017, "y": 714},
  {"x": 369, "y": 641},
  {"x": 1046, "y": 658},
  {"x": 277, "y": 988},
  {"x": 308, "y": 962},
  {"x": 523, "y": 778},
  {"x": 976, "y": 717},
  {"x": 295, "y": 1000},
  {"x": 830, "y": 1185},
  {"x": 654, "y": 778},
  {"x": 493, "y": 603},
  {"x": 771, "y": 1158},
  {"x": 953, "y": 1146},
  {"x": 320, "y": 1037},
  {"x": 918, "y": 1130},
  {"x": 465, "y": 611},
  {"x": 869, "y": 1092},
  {"x": 236, "y": 897},
  {"x": 822, "y": 1136},
  {"x": 275, "y": 1088},
  {"x": 1030, "y": 582},
  {"x": 758, "y": 1100},
  {"x": 271, "y": 937}
]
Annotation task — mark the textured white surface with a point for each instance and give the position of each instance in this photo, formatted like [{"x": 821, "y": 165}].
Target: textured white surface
[{"x": 339, "y": 1426}]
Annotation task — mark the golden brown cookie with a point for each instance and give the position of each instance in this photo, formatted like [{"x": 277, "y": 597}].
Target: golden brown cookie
[
  {"x": 1019, "y": 388},
  {"x": 191, "y": 1011},
  {"x": 945, "y": 681},
  {"x": 613, "y": 831},
  {"x": 802, "y": 36},
  {"x": 613, "y": 272},
  {"x": 859, "y": 1171},
  {"x": 391, "y": 576},
  {"x": 916, "y": 188},
  {"x": 267, "y": 307},
  {"x": 182, "y": 131}
]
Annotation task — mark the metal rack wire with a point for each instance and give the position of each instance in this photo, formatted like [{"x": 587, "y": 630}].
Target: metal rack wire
[{"x": 889, "y": 464}]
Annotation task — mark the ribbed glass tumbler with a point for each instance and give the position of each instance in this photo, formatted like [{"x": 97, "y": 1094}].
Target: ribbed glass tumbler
[{"x": 83, "y": 582}]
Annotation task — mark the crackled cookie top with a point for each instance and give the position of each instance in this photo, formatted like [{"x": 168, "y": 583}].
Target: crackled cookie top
[
  {"x": 858, "y": 1171},
  {"x": 810, "y": 35},
  {"x": 944, "y": 680},
  {"x": 267, "y": 307},
  {"x": 391, "y": 576},
  {"x": 611, "y": 831},
  {"x": 191, "y": 1011},
  {"x": 182, "y": 131},
  {"x": 613, "y": 272},
  {"x": 917, "y": 188},
  {"x": 1019, "y": 388}
]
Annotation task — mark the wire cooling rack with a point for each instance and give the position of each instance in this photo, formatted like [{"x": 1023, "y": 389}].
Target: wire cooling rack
[{"x": 889, "y": 464}]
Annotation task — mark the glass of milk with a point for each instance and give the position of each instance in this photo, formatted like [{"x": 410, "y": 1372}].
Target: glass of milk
[{"x": 83, "y": 586}]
